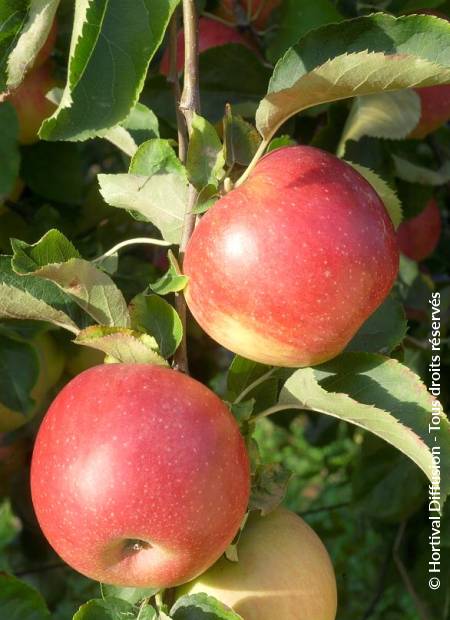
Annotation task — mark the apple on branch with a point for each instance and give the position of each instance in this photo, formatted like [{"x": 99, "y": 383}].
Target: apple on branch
[
  {"x": 140, "y": 476},
  {"x": 257, "y": 12},
  {"x": 285, "y": 268},
  {"x": 418, "y": 236},
  {"x": 283, "y": 571},
  {"x": 211, "y": 33}
]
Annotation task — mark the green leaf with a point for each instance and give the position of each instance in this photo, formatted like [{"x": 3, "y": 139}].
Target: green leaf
[
  {"x": 269, "y": 487},
  {"x": 201, "y": 607},
  {"x": 205, "y": 158},
  {"x": 413, "y": 173},
  {"x": 32, "y": 37},
  {"x": 173, "y": 281},
  {"x": 53, "y": 247},
  {"x": 131, "y": 595},
  {"x": 9, "y": 149},
  {"x": 280, "y": 142},
  {"x": 140, "y": 125},
  {"x": 241, "y": 373},
  {"x": 29, "y": 297},
  {"x": 90, "y": 288},
  {"x": 13, "y": 15},
  {"x": 378, "y": 394},
  {"x": 384, "y": 191},
  {"x": 112, "y": 45},
  {"x": 122, "y": 345},
  {"x": 156, "y": 317},
  {"x": 19, "y": 370},
  {"x": 383, "y": 331},
  {"x": 241, "y": 140},
  {"x": 9, "y": 523},
  {"x": 357, "y": 57},
  {"x": 296, "y": 19},
  {"x": 109, "y": 609},
  {"x": 391, "y": 116},
  {"x": 243, "y": 411},
  {"x": 19, "y": 601},
  {"x": 156, "y": 188}
]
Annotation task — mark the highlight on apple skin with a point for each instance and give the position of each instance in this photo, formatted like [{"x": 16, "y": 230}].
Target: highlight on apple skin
[
  {"x": 283, "y": 571},
  {"x": 140, "y": 476},
  {"x": 418, "y": 237},
  {"x": 285, "y": 268},
  {"x": 30, "y": 102},
  {"x": 211, "y": 33}
]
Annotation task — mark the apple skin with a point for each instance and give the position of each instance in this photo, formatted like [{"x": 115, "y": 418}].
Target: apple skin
[
  {"x": 51, "y": 362},
  {"x": 419, "y": 236},
  {"x": 285, "y": 269},
  {"x": 435, "y": 110},
  {"x": 260, "y": 11},
  {"x": 284, "y": 571},
  {"x": 211, "y": 33},
  {"x": 134, "y": 453},
  {"x": 30, "y": 102}
]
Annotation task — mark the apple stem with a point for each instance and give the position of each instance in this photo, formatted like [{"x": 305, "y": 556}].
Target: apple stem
[
  {"x": 136, "y": 241},
  {"x": 172, "y": 78},
  {"x": 259, "y": 153},
  {"x": 189, "y": 106}
]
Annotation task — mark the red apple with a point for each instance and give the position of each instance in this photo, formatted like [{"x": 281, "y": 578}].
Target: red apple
[
  {"x": 435, "y": 110},
  {"x": 434, "y": 100},
  {"x": 257, "y": 11},
  {"x": 139, "y": 476},
  {"x": 285, "y": 269},
  {"x": 30, "y": 102},
  {"x": 284, "y": 571},
  {"x": 419, "y": 236},
  {"x": 211, "y": 33}
]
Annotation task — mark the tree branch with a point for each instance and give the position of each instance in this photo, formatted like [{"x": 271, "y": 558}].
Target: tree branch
[
  {"x": 172, "y": 78},
  {"x": 189, "y": 106}
]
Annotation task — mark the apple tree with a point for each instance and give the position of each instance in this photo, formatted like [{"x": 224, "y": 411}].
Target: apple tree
[{"x": 224, "y": 309}]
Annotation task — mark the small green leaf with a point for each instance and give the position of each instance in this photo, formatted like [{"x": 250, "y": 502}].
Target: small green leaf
[
  {"x": 205, "y": 199},
  {"x": 280, "y": 142},
  {"x": 32, "y": 37},
  {"x": 413, "y": 173},
  {"x": 201, "y": 607},
  {"x": 241, "y": 140},
  {"x": 269, "y": 487},
  {"x": 19, "y": 601},
  {"x": 156, "y": 317},
  {"x": 205, "y": 159},
  {"x": 29, "y": 297},
  {"x": 156, "y": 187},
  {"x": 9, "y": 523},
  {"x": 53, "y": 247},
  {"x": 384, "y": 191},
  {"x": 90, "y": 288},
  {"x": 108, "y": 609},
  {"x": 19, "y": 370},
  {"x": 391, "y": 116},
  {"x": 173, "y": 281},
  {"x": 122, "y": 345},
  {"x": 383, "y": 331},
  {"x": 243, "y": 411}
]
